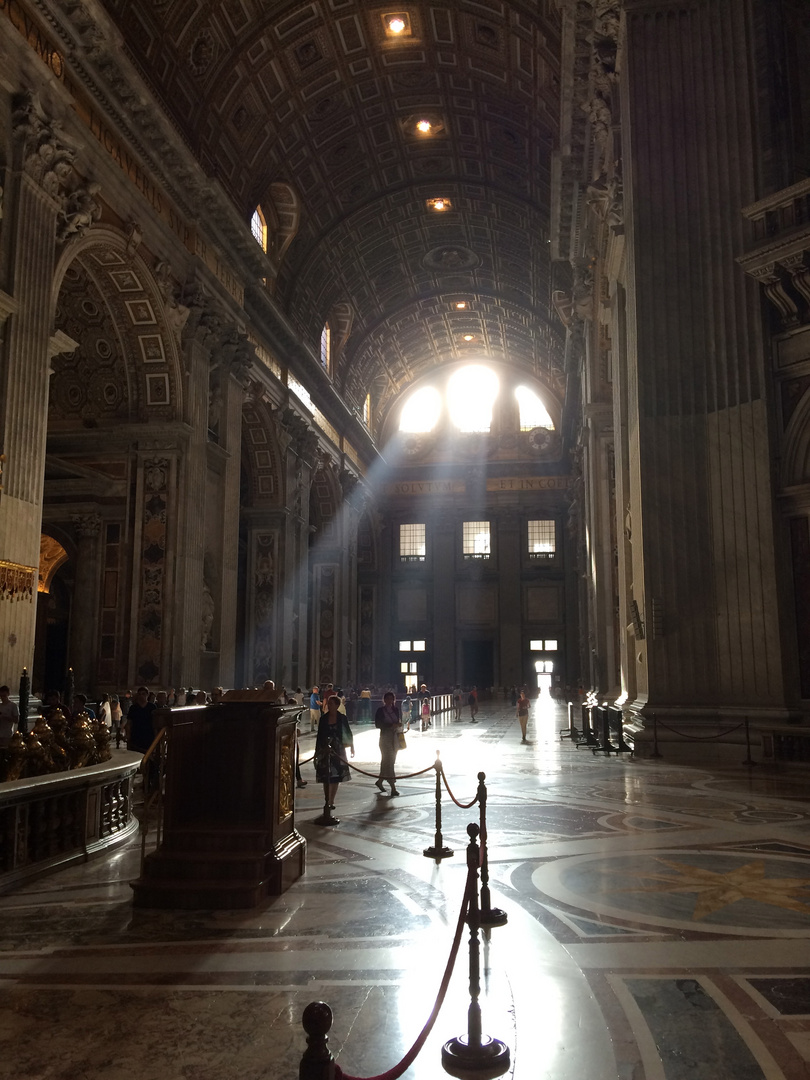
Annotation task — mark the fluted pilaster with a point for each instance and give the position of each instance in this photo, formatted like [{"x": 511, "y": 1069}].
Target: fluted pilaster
[
  {"x": 84, "y": 615},
  {"x": 42, "y": 163},
  {"x": 703, "y": 552}
]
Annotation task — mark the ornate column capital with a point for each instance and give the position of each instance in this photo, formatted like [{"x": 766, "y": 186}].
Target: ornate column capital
[
  {"x": 87, "y": 526},
  {"x": 46, "y": 155}
]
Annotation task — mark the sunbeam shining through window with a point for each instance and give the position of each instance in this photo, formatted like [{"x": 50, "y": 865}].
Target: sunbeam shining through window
[
  {"x": 471, "y": 393},
  {"x": 421, "y": 411}
]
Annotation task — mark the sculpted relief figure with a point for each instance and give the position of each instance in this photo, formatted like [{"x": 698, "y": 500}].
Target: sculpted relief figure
[{"x": 79, "y": 212}]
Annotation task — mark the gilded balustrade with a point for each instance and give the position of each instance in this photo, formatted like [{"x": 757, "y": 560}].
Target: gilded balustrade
[{"x": 54, "y": 745}]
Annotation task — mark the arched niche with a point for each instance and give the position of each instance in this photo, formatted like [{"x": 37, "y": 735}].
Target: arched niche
[
  {"x": 262, "y": 474},
  {"x": 127, "y": 364}
]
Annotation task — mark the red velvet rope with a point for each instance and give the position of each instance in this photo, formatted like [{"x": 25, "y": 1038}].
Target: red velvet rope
[
  {"x": 410, "y": 1057},
  {"x": 461, "y": 805}
]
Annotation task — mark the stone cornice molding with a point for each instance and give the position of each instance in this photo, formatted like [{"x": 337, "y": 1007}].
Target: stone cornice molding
[
  {"x": 587, "y": 170},
  {"x": 61, "y": 342},
  {"x": 8, "y": 305},
  {"x": 96, "y": 53}
]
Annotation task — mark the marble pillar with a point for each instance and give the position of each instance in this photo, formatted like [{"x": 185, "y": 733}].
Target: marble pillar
[
  {"x": 84, "y": 627},
  {"x": 509, "y": 671},
  {"x": 41, "y": 165},
  {"x": 231, "y": 443},
  {"x": 442, "y": 635},
  {"x": 700, "y": 488}
]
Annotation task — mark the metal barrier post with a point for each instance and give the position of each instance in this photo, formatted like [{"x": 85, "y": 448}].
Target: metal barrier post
[
  {"x": 438, "y": 851},
  {"x": 655, "y": 752},
  {"x": 317, "y": 1062},
  {"x": 570, "y": 732},
  {"x": 25, "y": 696},
  {"x": 474, "y": 1051},
  {"x": 590, "y": 734},
  {"x": 489, "y": 916},
  {"x": 605, "y": 746}
]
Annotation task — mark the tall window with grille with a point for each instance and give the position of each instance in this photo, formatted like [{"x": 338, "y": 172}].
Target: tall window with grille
[
  {"x": 258, "y": 226},
  {"x": 326, "y": 347},
  {"x": 412, "y": 543},
  {"x": 542, "y": 540},
  {"x": 475, "y": 540}
]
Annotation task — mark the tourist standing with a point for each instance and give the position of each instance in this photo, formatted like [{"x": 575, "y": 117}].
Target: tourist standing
[
  {"x": 314, "y": 710},
  {"x": 331, "y": 766},
  {"x": 522, "y": 711},
  {"x": 389, "y": 721},
  {"x": 472, "y": 701},
  {"x": 139, "y": 731}
]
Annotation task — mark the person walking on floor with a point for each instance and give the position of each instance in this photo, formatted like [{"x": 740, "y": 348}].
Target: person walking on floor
[
  {"x": 331, "y": 765},
  {"x": 472, "y": 701},
  {"x": 389, "y": 721},
  {"x": 522, "y": 712},
  {"x": 314, "y": 710}
]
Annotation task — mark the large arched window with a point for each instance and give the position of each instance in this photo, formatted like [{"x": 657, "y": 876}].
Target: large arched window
[
  {"x": 533, "y": 413},
  {"x": 463, "y": 401},
  {"x": 258, "y": 226},
  {"x": 471, "y": 393},
  {"x": 421, "y": 411}
]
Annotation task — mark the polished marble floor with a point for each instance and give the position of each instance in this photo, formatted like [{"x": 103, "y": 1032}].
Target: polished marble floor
[{"x": 659, "y": 926}]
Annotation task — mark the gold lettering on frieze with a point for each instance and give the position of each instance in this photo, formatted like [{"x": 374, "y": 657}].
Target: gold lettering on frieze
[
  {"x": 34, "y": 37},
  {"x": 529, "y": 483},
  {"x": 427, "y": 487}
]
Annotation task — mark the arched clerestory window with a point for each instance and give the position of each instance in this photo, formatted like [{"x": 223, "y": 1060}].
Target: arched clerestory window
[
  {"x": 258, "y": 226},
  {"x": 326, "y": 347}
]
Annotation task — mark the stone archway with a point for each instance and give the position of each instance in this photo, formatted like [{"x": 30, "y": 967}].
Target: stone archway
[{"x": 113, "y": 456}]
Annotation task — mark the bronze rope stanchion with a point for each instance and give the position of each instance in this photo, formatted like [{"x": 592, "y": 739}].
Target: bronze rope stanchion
[
  {"x": 25, "y": 695},
  {"x": 655, "y": 752},
  {"x": 474, "y": 1051},
  {"x": 438, "y": 851},
  {"x": 489, "y": 916},
  {"x": 318, "y": 1063}
]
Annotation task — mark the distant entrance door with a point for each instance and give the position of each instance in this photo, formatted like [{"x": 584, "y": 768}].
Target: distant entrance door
[
  {"x": 544, "y": 670},
  {"x": 477, "y": 663}
]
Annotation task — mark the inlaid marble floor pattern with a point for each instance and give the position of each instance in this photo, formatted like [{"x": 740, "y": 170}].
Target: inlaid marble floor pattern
[{"x": 658, "y": 929}]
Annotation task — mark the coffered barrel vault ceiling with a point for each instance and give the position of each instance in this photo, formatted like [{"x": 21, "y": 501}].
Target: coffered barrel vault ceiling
[{"x": 317, "y": 96}]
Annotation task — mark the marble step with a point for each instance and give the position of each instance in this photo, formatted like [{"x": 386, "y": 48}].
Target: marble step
[
  {"x": 166, "y": 865},
  {"x": 198, "y": 895}
]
